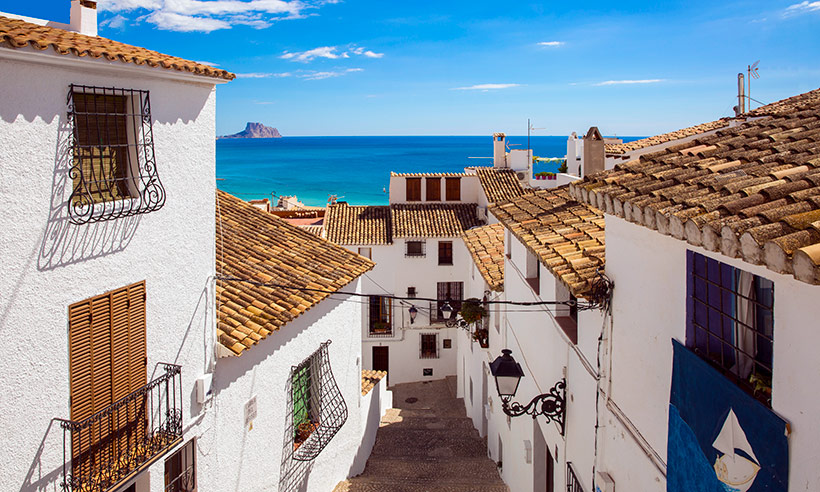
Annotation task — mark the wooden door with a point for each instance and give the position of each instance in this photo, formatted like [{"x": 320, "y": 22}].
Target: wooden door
[{"x": 381, "y": 358}]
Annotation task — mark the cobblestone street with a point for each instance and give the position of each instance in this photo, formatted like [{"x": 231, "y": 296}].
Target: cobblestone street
[{"x": 427, "y": 443}]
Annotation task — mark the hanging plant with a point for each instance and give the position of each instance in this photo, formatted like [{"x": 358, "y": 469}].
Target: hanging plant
[{"x": 472, "y": 311}]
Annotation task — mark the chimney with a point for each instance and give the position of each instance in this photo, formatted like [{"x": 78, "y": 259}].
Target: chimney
[
  {"x": 84, "y": 17},
  {"x": 594, "y": 152},
  {"x": 499, "y": 150},
  {"x": 741, "y": 95}
]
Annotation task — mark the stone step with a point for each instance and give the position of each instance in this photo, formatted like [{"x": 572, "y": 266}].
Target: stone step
[
  {"x": 405, "y": 421},
  {"x": 392, "y": 486},
  {"x": 426, "y": 443},
  {"x": 478, "y": 470}
]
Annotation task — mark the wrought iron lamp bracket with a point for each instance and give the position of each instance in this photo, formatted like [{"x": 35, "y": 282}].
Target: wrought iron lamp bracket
[{"x": 551, "y": 405}]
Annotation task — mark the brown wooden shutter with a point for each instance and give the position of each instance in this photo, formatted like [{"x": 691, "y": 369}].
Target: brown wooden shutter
[
  {"x": 453, "y": 189},
  {"x": 107, "y": 354},
  {"x": 413, "y": 189},
  {"x": 433, "y": 189}
]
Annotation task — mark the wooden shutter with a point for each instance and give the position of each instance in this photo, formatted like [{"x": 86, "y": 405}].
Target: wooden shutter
[
  {"x": 413, "y": 189},
  {"x": 107, "y": 355},
  {"x": 433, "y": 189},
  {"x": 453, "y": 189}
]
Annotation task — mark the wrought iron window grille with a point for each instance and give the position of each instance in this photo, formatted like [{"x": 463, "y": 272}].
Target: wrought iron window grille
[
  {"x": 117, "y": 442},
  {"x": 315, "y": 404},
  {"x": 573, "y": 484},
  {"x": 113, "y": 168},
  {"x": 415, "y": 249}
]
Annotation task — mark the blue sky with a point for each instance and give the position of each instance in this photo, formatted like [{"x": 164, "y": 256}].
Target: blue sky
[{"x": 362, "y": 67}]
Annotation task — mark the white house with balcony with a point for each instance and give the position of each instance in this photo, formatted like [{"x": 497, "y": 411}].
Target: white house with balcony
[{"x": 147, "y": 355}]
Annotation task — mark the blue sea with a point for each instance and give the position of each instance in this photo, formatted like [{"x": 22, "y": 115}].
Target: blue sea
[{"x": 356, "y": 169}]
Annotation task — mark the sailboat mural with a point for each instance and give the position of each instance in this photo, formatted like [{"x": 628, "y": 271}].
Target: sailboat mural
[
  {"x": 737, "y": 470},
  {"x": 720, "y": 438}
]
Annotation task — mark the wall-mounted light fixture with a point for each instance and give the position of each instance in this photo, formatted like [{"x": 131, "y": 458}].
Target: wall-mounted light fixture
[
  {"x": 508, "y": 373},
  {"x": 413, "y": 313}
]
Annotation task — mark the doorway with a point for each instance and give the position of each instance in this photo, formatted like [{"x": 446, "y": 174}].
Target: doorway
[
  {"x": 544, "y": 469},
  {"x": 381, "y": 360}
]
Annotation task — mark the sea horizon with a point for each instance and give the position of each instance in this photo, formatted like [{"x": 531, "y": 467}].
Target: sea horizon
[{"x": 355, "y": 168}]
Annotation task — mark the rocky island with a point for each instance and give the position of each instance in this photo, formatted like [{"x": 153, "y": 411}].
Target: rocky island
[{"x": 255, "y": 130}]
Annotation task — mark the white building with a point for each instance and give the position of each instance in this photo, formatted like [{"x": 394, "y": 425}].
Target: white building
[
  {"x": 113, "y": 284},
  {"x": 713, "y": 248}
]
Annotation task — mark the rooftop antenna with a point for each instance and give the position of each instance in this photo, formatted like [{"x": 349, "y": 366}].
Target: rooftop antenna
[
  {"x": 530, "y": 128},
  {"x": 752, "y": 72}
]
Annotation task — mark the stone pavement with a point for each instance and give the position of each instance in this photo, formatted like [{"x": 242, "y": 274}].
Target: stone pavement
[{"x": 427, "y": 444}]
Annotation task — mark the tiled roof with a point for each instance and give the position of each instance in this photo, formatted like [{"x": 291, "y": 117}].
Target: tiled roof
[
  {"x": 567, "y": 236},
  {"x": 781, "y": 107},
  {"x": 623, "y": 148},
  {"x": 316, "y": 230},
  {"x": 432, "y": 219},
  {"x": 370, "y": 379},
  {"x": 431, "y": 175},
  {"x": 499, "y": 185},
  {"x": 258, "y": 246},
  {"x": 486, "y": 245},
  {"x": 15, "y": 33},
  {"x": 345, "y": 224},
  {"x": 752, "y": 191}
]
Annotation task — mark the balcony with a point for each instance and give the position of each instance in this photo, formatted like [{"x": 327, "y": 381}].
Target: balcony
[
  {"x": 380, "y": 329},
  {"x": 120, "y": 441}
]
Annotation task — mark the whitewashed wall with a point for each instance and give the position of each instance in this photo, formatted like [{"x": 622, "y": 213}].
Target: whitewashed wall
[
  {"x": 49, "y": 263},
  {"x": 469, "y": 190},
  {"x": 649, "y": 309},
  {"x": 243, "y": 458}
]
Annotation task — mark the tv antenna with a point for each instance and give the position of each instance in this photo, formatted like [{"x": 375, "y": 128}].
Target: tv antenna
[
  {"x": 751, "y": 71},
  {"x": 530, "y": 128}
]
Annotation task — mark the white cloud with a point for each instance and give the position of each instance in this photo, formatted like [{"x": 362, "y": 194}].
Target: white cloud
[
  {"x": 551, "y": 43},
  {"x": 485, "y": 87},
  {"x": 306, "y": 56},
  {"x": 330, "y": 52},
  {"x": 801, "y": 8},
  {"x": 208, "y": 15},
  {"x": 328, "y": 75},
  {"x": 116, "y": 22},
  {"x": 263, "y": 75},
  {"x": 628, "y": 82}
]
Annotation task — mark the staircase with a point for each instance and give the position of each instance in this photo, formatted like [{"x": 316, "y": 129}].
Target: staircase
[{"x": 427, "y": 444}]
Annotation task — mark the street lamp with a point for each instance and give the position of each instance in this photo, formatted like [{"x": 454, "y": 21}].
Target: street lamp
[
  {"x": 447, "y": 311},
  {"x": 508, "y": 373},
  {"x": 413, "y": 312}
]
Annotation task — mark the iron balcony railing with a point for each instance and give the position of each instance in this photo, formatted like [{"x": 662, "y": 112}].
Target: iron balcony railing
[
  {"x": 573, "y": 484},
  {"x": 120, "y": 441},
  {"x": 380, "y": 333}
]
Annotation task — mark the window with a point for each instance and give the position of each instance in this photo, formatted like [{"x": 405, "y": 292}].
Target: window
[
  {"x": 113, "y": 169},
  {"x": 453, "y": 189},
  {"x": 445, "y": 252},
  {"x": 315, "y": 404},
  {"x": 180, "y": 469},
  {"x": 414, "y": 249},
  {"x": 366, "y": 252},
  {"x": 107, "y": 357},
  {"x": 433, "y": 189},
  {"x": 411, "y": 292},
  {"x": 429, "y": 346},
  {"x": 448, "y": 293},
  {"x": 413, "y": 189},
  {"x": 447, "y": 343},
  {"x": 730, "y": 322},
  {"x": 533, "y": 272},
  {"x": 380, "y": 309}
]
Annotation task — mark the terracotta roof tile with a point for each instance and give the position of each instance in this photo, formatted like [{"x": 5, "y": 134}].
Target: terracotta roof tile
[
  {"x": 347, "y": 224},
  {"x": 350, "y": 225},
  {"x": 567, "y": 236},
  {"x": 433, "y": 219},
  {"x": 15, "y": 33},
  {"x": 757, "y": 195},
  {"x": 500, "y": 185},
  {"x": 370, "y": 379},
  {"x": 260, "y": 247},
  {"x": 431, "y": 175},
  {"x": 486, "y": 246}
]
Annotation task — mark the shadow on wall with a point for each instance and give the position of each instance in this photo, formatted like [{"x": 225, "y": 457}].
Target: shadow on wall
[
  {"x": 293, "y": 474},
  {"x": 65, "y": 243},
  {"x": 38, "y": 479}
]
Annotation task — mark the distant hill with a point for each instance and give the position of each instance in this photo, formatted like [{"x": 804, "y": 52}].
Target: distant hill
[{"x": 255, "y": 130}]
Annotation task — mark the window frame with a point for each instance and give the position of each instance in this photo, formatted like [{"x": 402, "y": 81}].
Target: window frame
[
  {"x": 135, "y": 179},
  {"x": 452, "y": 189},
  {"x": 380, "y": 310},
  {"x": 430, "y": 349},
  {"x": 432, "y": 184},
  {"x": 445, "y": 253},
  {"x": 412, "y": 189},
  {"x": 180, "y": 455},
  {"x": 422, "y": 245},
  {"x": 717, "y": 325}
]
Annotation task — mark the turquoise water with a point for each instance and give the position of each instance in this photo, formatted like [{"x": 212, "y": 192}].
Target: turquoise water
[{"x": 357, "y": 169}]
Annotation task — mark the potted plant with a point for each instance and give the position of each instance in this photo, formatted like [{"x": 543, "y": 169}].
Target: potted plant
[
  {"x": 482, "y": 336},
  {"x": 550, "y": 175},
  {"x": 563, "y": 167},
  {"x": 472, "y": 311},
  {"x": 303, "y": 431},
  {"x": 381, "y": 327}
]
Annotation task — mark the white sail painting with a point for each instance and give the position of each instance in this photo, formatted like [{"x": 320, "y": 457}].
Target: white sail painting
[{"x": 735, "y": 470}]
